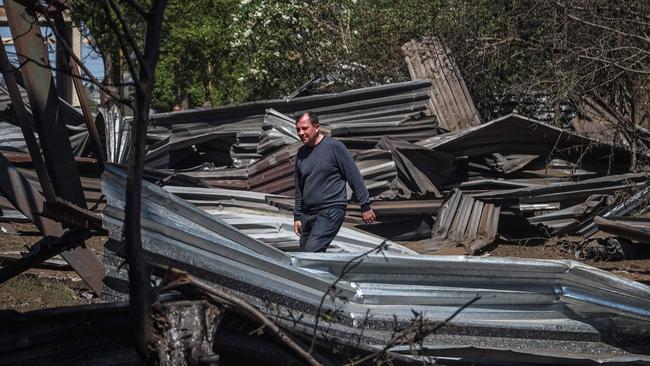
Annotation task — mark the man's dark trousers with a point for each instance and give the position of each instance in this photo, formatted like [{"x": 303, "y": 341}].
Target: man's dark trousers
[{"x": 319, "y": 229}]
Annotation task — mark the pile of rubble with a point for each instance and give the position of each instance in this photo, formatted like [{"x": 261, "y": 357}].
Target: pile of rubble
[{"x": 218, "y": 204}]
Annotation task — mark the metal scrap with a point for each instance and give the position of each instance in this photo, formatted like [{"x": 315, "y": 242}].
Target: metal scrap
[
  {"x": 464, "y": 221},
  {"x": 628, "y": 227},
  {"x": 450, "y": 101},
  {"x": 520, "y": 304}
]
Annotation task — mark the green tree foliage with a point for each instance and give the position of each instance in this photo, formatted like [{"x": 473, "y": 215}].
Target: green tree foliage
[
  {"x": 563, "y": 50},
  {"x": 251, "y": 49},
  {"x": 273, "y": 42},
  {"x": 91, "y": 19},
  {"x": 227, "y": 51},
  {"x": 195, "y": 66},
  {"x": 351, "y": 43}
]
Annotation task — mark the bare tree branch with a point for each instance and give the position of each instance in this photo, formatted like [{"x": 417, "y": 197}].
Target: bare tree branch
[
  {"x": 143, "y": 13},
  {"x": 140, "y": 290},
  {"x": 128, "y": 33},
  {"x": 616, "y": 64},
  {"x": 220, "y": 296},
  {"x": 614, "y": 30},
  {"x": 77, "y": 62},
  {"x": 123, "y": 46}
]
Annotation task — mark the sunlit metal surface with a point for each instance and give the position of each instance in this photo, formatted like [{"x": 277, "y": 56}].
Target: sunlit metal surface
[
  {"x": 553, "y": 309},
  {"x": 118, "y": 134},
  {"x": 253, "y": 215}
]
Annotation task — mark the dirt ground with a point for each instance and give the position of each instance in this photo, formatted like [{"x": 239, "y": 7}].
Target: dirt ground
[
  {"x": 42, "y": 288},
  {"x": 633, "y": 269}
]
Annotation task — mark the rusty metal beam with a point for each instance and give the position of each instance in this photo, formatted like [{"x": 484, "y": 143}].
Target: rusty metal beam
[
  {"x": 27, "y": 199},
  {"x": 72, "y": 215},
  {"x": 88, "y": 116},
  {"x": 43, "y": 250},
  {"x": 624, "y": 229},
  {"x": 71, "y": 66},
  {"x": 51, "y": 128},
  {"x": 44, "y": 102},
  {"x": 63, "y": 76},
  {"x": 11, "y": 76}
]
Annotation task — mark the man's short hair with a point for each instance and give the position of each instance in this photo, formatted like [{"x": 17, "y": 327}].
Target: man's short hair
[{"x": 313, "y": 117}]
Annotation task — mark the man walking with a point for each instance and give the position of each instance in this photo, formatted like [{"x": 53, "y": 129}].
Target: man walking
[{"x": 323, "y": 166}]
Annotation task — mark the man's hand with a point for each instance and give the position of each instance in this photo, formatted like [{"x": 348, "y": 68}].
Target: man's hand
[
  {"x": 367, "y": 216},
  {"x": 297, "y": 227}
]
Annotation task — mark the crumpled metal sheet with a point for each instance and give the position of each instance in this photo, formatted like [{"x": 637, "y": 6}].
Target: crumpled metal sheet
[
  {"x": 11, "y": 137},
  {"x": 515, "y": 134},
  {"x": 465, "y": 221},
  {"x": 254, "y": 215},
  {"x": 524, "y": 306},
  {"x": 367, "y": 111},
  {"x": 278, "y": 130},
  {"x": 635, "y": 228},
  {"x": 118, "y": 134},
  {"x": 450, "y": 100}
]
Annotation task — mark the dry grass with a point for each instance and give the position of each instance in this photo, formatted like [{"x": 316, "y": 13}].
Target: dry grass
[
  {"x": 39, "y": 289},
  {"x": 28, "y": 292}
]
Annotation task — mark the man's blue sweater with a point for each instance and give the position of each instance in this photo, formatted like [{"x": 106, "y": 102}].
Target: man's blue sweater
[{"x": 320, "y": 176}]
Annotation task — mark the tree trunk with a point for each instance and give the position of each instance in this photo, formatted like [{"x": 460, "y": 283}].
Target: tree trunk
[{"x": 641, "y": 104}]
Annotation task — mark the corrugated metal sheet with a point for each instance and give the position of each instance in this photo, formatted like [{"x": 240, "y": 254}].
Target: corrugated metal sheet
[
  {"x": 275, "y": 173},
  {"x": 70, "y": 114},
  {"x": 278, "y": 130},
  {"x": 588, "y": 228},
  {"x": 238, "y": 129},
  {"x": 385, "y": 210},
  {"x": 515, "y": 134},
  {"x": 118, "y": 134},
  {"x": 254, "y": 215},
  {"x": 450, "y": 100},
  {"x": 12, "y": 137},
  {"x": 568, "y": 191},
  {"x": 462, "y": 221},
  {"x": 548, "y": 308},
  {"x": 395, "y": 101}
]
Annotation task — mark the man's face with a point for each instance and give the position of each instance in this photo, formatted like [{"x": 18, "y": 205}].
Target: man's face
[{"x": 307, "y": 132}]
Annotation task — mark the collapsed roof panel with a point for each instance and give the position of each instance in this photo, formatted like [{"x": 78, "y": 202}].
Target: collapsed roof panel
[
  {"x": 517, "y": 305},
  {"x": 515, "y": 134},
  {"x": 328, "y": 105},
  {"x": 464, "y": 221},
  {"x": 450, "y": 100},
  {"x": 371, "y": 111},
  {"x": 254, "y": 214},
  {"x": 278, "y": 130}
]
